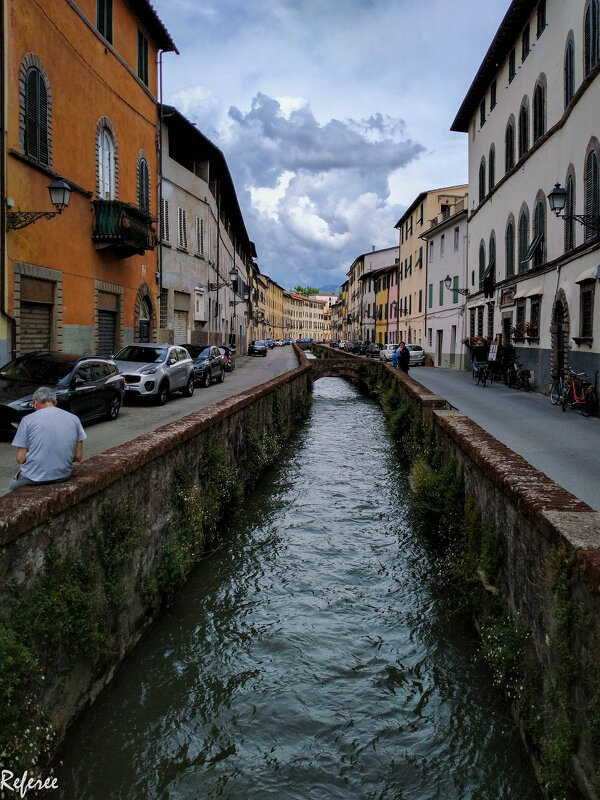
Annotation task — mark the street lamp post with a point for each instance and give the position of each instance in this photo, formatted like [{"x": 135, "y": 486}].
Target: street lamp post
[
  {"x": 60, "y": 194},
  {"x": 557, "y": 200},
  {"x": 448, "y": 285}
]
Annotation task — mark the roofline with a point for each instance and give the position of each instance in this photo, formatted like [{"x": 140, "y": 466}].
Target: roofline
[
  {"x": 511, "y": 26},
  {"x": 444, "y": 223},
  {"x": 148, "y": 15},
  {"x": 420, "y": 197}
]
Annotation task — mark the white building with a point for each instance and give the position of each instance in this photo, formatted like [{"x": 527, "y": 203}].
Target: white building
[
  {"x": 203, "y": 242},
  {"x": 532, "y": 118},
  {"x": 445, "y": 304}
]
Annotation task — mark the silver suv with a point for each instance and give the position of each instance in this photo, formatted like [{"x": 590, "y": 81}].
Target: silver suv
[{"x": 156, "y": 370}]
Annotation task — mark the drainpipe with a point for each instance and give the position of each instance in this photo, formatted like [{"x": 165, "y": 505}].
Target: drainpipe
[{"x": 11, "y": 322}]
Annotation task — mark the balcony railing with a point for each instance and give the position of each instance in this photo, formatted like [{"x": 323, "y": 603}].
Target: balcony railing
[{"x": 124, "y": 228}]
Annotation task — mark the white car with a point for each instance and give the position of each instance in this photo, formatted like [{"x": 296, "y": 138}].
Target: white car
[
  {"x": 279, "y": 342},
  {"x": 156, "y": 370},
  {"x": 417, "y": 355},
  {"x": 386, "y": 353}
]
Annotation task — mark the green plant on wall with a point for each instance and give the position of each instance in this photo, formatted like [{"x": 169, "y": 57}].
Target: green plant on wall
[{"x": 117, "y": 537}]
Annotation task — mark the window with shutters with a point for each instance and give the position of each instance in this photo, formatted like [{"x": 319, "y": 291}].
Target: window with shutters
[
  {"x": 181, "y": 228},
  {"x": 143, "y": 185},
  {"x": 492, "y": 168},
  {"x": 539, "y": 232},
  {"x": 512, "y": 70},
  {"x": 569, "y": 71},
  {"x": 106, "y": 165},
  {"x": 525, "y": 43},
  {"x": 36, "y": 117},
  {"x": 482, "y": 181},
  {"x": 591, "y": 36},
  {"x": 591, "y": 192},
  {"x": 104, "y": 18},
  {"x": 569, "y": 223},
  {"x": 541, "y": 18},
  {"x": 199, "y": 235},
  {"x": 165, "y": 230},
  {"x": 492, "y": 95},
  {"x": 481, "y": 263},
  {"x": 509, "y": 239},
  {"x": 539, "y": 112},
  {"x": 523, "y": 238},
  {"x": 523, "y": 130},
  {"x": 509, "y": 147},
  {"x": 142, "y": 57},
  {"x": 482, "y": 113},
  {"x": 586, "y": 310}
]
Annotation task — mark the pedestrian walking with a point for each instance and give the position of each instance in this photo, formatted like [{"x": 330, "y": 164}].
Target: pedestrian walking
[
  {"x": 403, "y": 357},
  {"x": 48, "y": 442}
]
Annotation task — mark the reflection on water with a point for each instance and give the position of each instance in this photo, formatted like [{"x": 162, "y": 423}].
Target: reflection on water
[{"x": 315, "y": 657}]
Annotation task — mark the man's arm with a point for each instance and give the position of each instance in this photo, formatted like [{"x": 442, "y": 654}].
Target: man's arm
[
  {"x": 21, "y": 455},
  {"x": 78, "y": 456}
]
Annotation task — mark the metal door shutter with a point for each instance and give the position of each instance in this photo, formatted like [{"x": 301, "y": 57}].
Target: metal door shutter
[
  {"x": 107, "y": 323},
  {"x": 180, "y": 327},
  {"x": 35, "y": 326}
]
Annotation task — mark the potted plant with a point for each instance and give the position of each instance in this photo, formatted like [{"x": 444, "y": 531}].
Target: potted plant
[{"x": 428, "y": 360}]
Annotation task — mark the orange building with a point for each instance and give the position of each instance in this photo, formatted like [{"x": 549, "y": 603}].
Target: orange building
[{"x": 80, "y": 102}]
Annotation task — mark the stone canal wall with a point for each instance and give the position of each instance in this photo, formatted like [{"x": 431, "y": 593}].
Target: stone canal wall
[
  {"x": 534, "y": 555},
  {"x": 86, "y": 564}
]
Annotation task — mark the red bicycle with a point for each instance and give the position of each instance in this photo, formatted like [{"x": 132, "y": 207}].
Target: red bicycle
[{"x": 579, "y": 393}]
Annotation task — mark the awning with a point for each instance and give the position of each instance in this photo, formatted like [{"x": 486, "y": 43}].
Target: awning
[
  {"x": 532, "y": 248},
  {"x": 525, "y": 292}
]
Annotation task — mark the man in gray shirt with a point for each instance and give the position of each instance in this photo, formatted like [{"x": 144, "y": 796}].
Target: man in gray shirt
[{"x": 48, "y": 442}]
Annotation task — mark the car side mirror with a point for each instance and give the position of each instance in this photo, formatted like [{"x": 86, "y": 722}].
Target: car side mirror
[
  {"x": 171, "y": 361},
  {"x": 79, "y": 381}
]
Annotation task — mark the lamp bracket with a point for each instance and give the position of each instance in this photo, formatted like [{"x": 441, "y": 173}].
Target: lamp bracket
[{"x": 15, "y": 220}]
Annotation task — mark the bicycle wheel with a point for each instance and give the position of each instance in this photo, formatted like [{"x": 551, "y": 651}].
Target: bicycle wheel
[
  {"x": 484, "y": 376},
  {"x": 555, "y": 393},
  {"x": 566, "y": 399},
  {"x": 590, "y": 404},
  {"x": 475, "y": 374}
]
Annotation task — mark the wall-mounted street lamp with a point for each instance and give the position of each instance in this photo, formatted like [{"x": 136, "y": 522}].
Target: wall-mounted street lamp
[
  {"x": 448, "y": 285},
  {"x": 557, "y": 199},
  {"x": 233, "y": 276},
  {"x": 60, "y": 194},
  {"x": 244, "y": 299}
]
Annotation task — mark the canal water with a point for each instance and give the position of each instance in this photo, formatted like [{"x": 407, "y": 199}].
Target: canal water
[{"x": 318, "y": 655}]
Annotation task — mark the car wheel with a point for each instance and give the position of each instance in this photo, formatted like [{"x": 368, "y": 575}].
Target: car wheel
[
  {"x": 221, "y": 375},
  {"x": 163, "y": 393},
  {"x": 205, "y": 381},
  {"x": 114, "y": 406},
  {"x": 189, "y": 387}
]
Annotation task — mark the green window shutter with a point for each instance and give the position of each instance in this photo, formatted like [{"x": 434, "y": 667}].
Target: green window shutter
[
  {"x": 441, "y": 293},
  {"x": 431, "y": 295},
  {"x": 455, "y": 289}
]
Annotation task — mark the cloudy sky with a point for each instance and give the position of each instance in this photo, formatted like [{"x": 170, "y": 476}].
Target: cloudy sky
[{"x": 332, "y": 114}]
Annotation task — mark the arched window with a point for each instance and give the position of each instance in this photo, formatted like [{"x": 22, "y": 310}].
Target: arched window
[
  {"x": 539, "y": 112},
  {"x": 481, "y": 263},
  {"x": 509, "y": 147},
  {"x": 482, "y": 181},
  {"x": 569, "y": 71},
  {"x": 569, "y": 211},
  {"x": 523, "y": 238},
  {"x": 523, "y": 130},
  {"x": 591, "y": 36},
  {"x": 107, "y": 180},
  {"x": 510, "y": 249},
  {"x": 36, "y": 117},
  {"x": 143, "y": 185},
  {"x": 492, "y": 168},
  {"x": 591, "y": 191},
  {"x": 539, "y": 232}
]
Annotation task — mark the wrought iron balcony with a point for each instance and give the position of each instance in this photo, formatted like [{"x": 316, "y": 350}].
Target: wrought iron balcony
[{"x": 125, "y": 229}]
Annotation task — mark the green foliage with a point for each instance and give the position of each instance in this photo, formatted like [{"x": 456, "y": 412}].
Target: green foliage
[
  {"x": 63, "y": 614},
  {"x": 305, "y": 290},
  {"x": 436, "y": 501},
  {"x": 261, "y": 453},
  {"x": 117, "y": 538}
]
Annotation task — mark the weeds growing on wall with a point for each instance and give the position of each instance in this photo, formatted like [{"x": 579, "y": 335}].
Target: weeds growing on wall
[{"x": 117, "y": 537}]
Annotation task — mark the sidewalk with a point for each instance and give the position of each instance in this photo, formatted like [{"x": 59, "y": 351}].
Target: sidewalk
[{"x": 563, "y": 445}]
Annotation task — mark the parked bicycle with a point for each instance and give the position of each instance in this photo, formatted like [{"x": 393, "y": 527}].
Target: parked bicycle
[
  {"x": 518, "y": 376},
  {"x": 579, "y": 393},
  {"x": 557, "y": 390}
]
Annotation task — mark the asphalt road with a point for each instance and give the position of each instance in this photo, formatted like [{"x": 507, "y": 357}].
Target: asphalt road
[
  {"x": 139, "y": 417},
  {"x": 563, "y": 445}
]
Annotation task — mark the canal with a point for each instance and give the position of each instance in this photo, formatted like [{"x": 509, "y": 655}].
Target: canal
[{"x": 317, "y": 655}]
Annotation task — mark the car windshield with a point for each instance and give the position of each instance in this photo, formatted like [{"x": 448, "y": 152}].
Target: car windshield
[
  {"x": 204, "y": 353},
  {"x": 40, "y": 369},
  {"x": 147, "y": 355},
  {"x": 415, "y": 347},
  {"x": 260, "y": 343}
]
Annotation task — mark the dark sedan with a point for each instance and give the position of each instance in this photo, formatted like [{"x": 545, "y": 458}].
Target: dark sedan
[
  {"x": 257, "y": 348},
  {"x": 208, "y": 364},
  {"x": 89, "y": 386}
]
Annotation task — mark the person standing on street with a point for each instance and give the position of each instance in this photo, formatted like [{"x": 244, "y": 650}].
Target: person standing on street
[
  {"x": 403, "y": 357},
  {"x": 48, "y": 442}
]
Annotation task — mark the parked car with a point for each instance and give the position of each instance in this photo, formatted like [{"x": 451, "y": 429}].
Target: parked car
[
  {"x": 156, "y": 370},
  {"x": 417, "y": 355},
  {"x": 257, "y": 348},
  {"x": 270, "y": 343},
  {"x": 208, "y": 364},
  {"x": 279, "y": 342},
  {"x": 372, "y": 350},
  {"x": 386, "y": 353},
  {"x": 88, "y": 386}
]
